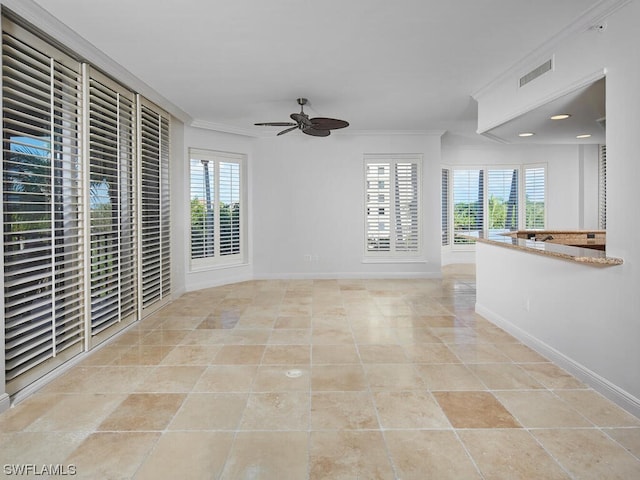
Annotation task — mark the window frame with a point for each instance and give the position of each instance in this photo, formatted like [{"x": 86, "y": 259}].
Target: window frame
[
  {"x": 217, "y": 260},
  {"x": 394, "y": 255}
]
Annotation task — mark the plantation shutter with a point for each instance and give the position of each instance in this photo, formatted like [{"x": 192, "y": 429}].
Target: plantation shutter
[
  {"x": 42, "y": 207},
  {"x": 406, "y": 207},
  {"x": 112, "y": 205},
  {"x": 444, "y": 206},
  {"x": 502, "y": 206},
  {"x": 378, "y": 205},
  {"x": 229, "y": 207},
  {"x": 468, "y": 202},
  {"x": 602, "y": 187},
  {"x": 534, "y": 184},
  {"x": 155, "y": 206}
]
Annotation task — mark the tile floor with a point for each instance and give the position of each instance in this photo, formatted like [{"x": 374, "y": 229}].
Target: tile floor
[{"x": 349, "y": 379}]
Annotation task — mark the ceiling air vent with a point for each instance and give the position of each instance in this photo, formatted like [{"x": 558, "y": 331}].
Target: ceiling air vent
[{"x": 536, "y": 72}]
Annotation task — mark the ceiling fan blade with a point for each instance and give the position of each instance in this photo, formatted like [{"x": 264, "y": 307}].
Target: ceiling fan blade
[
  {"x": 288, "y": 130},
  {"x": 322, "y": 123},
  {"x": 301, "y": 118},
  {"x": 276, "y": 124},
  {"x": 316, "y": 133}
]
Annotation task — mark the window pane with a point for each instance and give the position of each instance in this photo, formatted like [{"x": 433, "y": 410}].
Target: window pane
[
  {"x": 468, "y": 200},
  {"x": 202, "y": 210},
  {"x": 502, "y": 189},
  {"x": 406, "y": 207},
  {"x": 229, "y": 208},
  {"x": 534, "y": 180}
]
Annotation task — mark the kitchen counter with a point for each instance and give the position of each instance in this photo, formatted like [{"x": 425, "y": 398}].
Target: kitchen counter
[{"x": 579, "y": 246}]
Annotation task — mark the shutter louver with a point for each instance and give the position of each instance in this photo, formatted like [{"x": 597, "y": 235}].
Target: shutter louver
[
  {"x": 42, "y": 206},
  {"x": 444, "y": 206},
  {"x": 406, "y": 207},
  {"x": 378, "y": 205},
  {"x": 112, "y": 204},
  {"x": 229, "y": 208},
  {"x": 602, "y": 187},
  {"x": 154, "y": 163}
]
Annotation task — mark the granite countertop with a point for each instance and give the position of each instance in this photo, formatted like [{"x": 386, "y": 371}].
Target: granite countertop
[{"x": 510, "y": 239}]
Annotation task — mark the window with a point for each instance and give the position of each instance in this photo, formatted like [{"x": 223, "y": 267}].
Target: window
[
  {"x": 392, "y": 202},
  {"x": 534, "y": 189},
  {"x": 85, "y": 206},
  {"x": 217, "y": 208},
  {"x": 491, "y": 199},
  {"x": 468, "y": 202},
  {"x": 602, "y": 187}
]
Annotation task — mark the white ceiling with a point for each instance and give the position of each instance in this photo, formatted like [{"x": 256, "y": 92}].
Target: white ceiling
[{"x": 403, "y": 65}]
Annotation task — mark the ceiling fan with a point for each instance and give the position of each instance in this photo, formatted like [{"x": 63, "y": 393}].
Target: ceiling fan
[{"x": 317, "y": 127}]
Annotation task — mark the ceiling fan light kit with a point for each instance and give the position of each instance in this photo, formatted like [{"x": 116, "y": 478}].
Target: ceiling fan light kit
[{"x": 316, "y": 127}]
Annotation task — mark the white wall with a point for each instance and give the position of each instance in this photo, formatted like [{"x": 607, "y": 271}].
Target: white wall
[
  {"x": 604, "y": 312},
  {"x": 224, "y": 142},
  {"x": 308, "y": 202}
]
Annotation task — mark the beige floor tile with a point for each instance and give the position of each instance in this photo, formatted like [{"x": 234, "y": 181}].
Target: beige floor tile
[
  {"x": 37, "y": 448},
  {"x": 430, "y": 353},
  {"x": 337, "y": 378},
  {"x": 143, "y": 411},
  {"x": 281, "y": 378},
  {"x": 20, "y": 416},
  {"x": 108, "y": 379},
  {"x": 375, "y": 335},
  {"x": 247, "y": 336},
  {"x": 510, "y": 454},
  {"x": 267, "y": 455},
  {"x": 520, "y": 353},
  {"x": 416, "y": 335},
  {"x": 539, "y": 409},
  {"x": 393, "y": 376},
  {"x": 504, "y": 376},
  {"x": 551, "y": 376},
  {"x": 331, "y": 354},
  {"x": 382, "y": 354},
  {"x": 409, "y": 409},
  {"x": 290, "y": 336},
  {"x": 287, "y": 355},
  {"x": 239, "y": 355},
  {"x": 191, "y": 355},
  {"x": 332, "y": 336},
  {"x": 187, "y": 455},
  {"x": 456, "y": 335},
  {"x": 296, "y": 321},
  {"x": 479, "y": 353},
  {"x": 277, "y": 411},
  {"x": 172, "y": 379},
  {"x": 144, "y": 355},
  {"x": 163, "y": 337},
  {"x": 77, "y": 412},
  {"x": 629, "y": 438},
  {"x": 598, "y": 409},
  {"x": 338, "y": 455},
  {"x": 256, "y": 320},
  {"x": 226, "y": 378},
  {"x": 343, "y": 411},
  {"x": 475, "y": 410},
  {"x": 420, "y": 454},
  {"x": 589, "y": 454},
  {"x": 210, "y": 411},
  {"x": 448, "y": 377}
]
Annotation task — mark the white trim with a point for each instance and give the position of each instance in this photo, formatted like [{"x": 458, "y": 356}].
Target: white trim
[
  {"x": 349, "y": 276},
  {"x": 612, "y": 392}
]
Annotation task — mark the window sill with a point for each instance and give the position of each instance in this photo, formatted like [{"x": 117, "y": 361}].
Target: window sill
[{"x": 218, "y": 266}]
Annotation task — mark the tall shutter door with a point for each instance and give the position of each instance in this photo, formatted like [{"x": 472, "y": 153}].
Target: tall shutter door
[
  {"x": 112, "y": 206},
  {"x": 42, "y": 207},
  {"x": 154, "y": 206},
  {"x": 406, "y": 207}
]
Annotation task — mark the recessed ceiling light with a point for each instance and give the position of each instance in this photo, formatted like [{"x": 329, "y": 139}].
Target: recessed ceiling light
[
  {"x": 526, "y": 134},
  {"x": 560, "y": 116},
  {"x": 585, "y": 135}
]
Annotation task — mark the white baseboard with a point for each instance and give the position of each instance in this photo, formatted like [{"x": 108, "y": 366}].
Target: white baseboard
[
  {"x": 5, "y": 402},
  {"x": 348, "y": 276},
  {"x": 614, "y": 393}
]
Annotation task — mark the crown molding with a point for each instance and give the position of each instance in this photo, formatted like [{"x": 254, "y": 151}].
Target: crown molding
[
  {"x": 587, "y": 20},
  {"x": 67, "y": 39}
]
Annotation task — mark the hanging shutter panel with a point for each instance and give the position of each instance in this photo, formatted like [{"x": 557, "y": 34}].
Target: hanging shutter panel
[
  {"x": 378, "y": 205},
  {"x": 155, "y": 207},
  {"x": 468, "y": 202},
  {"x": 534, "y": 182},
  {"x": 602, "y": 187},
  {"x": 203, "y": 192},
  {"x": 444, "y": 205},
  {"x": 42, "y": 206},
  {"x": 111, "y": 201},
  {"x": 406, "y": 207},
  {"x": 229, "y": 207}
]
